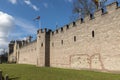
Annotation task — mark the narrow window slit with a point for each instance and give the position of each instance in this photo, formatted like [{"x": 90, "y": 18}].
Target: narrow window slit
[
  {"x": 62, "y": 42},
  {"x": 93, "y": 34},
  {"x": 41, "y": 44},
  {"x": 74, "y": 38}
]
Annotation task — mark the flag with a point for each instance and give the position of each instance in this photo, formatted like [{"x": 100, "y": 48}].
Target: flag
[{"x": 37, "y": 18}]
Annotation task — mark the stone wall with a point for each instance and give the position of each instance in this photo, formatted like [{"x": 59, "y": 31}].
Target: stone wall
[
  {"x": 43, "y": 47},
  {"x": 11, "y": 58},
  {"x": 94, "y": 44},
  {"x": 28, "y": 54}
]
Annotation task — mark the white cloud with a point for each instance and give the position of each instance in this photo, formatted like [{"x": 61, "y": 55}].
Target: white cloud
[
  {"x": 22, "y": 29},
  {"x": 35, "y": 8},
  {"x": 28, "y": 2},
  {"x": 6, "y": 23},
  {"x": 26, "y": 26},
  {"x": 45, "y": 5},
  {"x": 13, "y": 1}
]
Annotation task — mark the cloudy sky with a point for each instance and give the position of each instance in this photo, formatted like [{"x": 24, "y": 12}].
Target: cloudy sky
[{"x": 16, "y": 17}]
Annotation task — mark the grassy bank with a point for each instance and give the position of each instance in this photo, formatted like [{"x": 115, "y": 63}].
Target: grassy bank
[{"x": 29, "y": 72}]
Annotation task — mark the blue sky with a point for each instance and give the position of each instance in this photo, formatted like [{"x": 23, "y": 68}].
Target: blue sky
[
  {"x": 23, "y": 12},
  {"x": 17, "y": 17}
]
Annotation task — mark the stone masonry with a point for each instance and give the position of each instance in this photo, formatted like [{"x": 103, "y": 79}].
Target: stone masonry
[{"x": 92, "y": 45}]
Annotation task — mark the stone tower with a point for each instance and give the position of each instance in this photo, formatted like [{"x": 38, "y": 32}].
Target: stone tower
[
  {"x": 43, "y": 47},
  {"x": 11, "y": 49}
]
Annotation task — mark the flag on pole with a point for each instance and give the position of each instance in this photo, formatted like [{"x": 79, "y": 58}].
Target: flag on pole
[
  {"x": 37, "y": 18},
  {"x": 56, "y": 25}
]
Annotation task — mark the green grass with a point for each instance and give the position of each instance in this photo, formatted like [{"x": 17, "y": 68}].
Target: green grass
[{"x": 29, "y": 72}]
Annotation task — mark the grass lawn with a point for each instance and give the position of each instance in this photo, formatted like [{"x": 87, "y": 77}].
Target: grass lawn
[{"x": 29, "y": 72}]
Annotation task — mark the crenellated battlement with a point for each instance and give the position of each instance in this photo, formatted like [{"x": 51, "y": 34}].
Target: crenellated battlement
[
  {"x": 98, "y": 13},
  {"x": 45, "y": 30},
  {"x": 24, "y": 44},
  {"x": 63, "y": 29}
]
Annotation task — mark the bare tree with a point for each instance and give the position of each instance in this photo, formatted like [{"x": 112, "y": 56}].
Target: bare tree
[{"x": 85, "y": 7}]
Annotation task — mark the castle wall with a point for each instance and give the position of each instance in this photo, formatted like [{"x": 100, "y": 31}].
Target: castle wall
[
  {"x": 28, "y": 54},
  {"x": 94, "y": 44},
  {"x": 11, "y": 57},
  {"x": 43, "y": 48}
]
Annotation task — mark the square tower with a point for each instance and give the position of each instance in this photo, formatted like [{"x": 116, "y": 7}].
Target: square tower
[{"x": 43, "y": 48}]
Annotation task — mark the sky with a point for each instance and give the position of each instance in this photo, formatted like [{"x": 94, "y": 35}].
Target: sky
[{"x": 17, "y": 17}]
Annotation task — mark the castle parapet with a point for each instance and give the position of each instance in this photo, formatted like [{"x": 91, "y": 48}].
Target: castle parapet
[
  {"x": 91, "y": 17},
  {"x": 45, "y": 30},
  {"x": 39, "y": 31}
]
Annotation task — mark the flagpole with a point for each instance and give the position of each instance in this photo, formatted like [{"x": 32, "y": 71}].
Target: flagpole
[
  {"x": 39, "y": 24},
  {"x": 38, "y": 20},
  {"x": 56, "y": 25}
]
